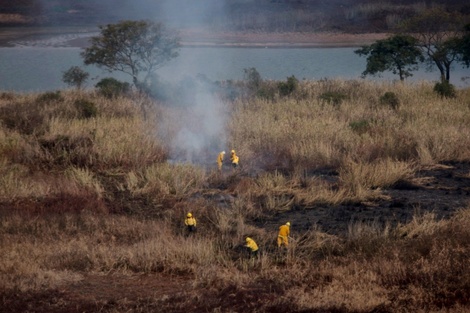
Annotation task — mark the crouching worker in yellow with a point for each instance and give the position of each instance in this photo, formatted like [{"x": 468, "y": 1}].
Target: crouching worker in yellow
[
  {"x": 234, "y": 158},
  {"x": 283, "y": 237},
  {"x": 252, "y": 246},
  {"x": 190, "y": 223}
]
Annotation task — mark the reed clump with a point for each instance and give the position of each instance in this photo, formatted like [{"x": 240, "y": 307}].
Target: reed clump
[{"x": 87, "y": 189}]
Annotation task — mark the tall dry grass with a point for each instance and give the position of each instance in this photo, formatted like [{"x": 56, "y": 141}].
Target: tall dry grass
[
  {"x": 427, "y": 258},
  {"x": 63, "y": 174},
  {"x": 309, "y": 133}
]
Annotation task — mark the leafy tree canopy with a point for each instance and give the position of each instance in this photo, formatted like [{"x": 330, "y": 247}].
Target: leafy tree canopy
[
  {"x": 438, "y": 32},
  {"x": 137, "y": 48},
  {"x": 75, "y": 76},
  {"x": 397, "y": 54},
  {"x": 464, "y": 46}
]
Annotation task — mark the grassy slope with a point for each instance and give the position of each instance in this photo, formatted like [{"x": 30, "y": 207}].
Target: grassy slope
[{"x": 91, "y": 211}]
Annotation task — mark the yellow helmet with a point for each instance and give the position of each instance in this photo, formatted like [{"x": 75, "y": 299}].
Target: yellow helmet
[
  {"x": 189, "y": 215},
  {"x": 223, "y": 152},
  {"x": 288, "y": 223},
  {"x": 233, "y": 151},
  {"x": 248, "y": 239}
]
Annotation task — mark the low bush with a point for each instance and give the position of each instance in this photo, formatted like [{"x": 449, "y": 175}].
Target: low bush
[
  {"x": 87, "y": 109},
  {"x": 390, "y": 99},
  {"x": 360, "y": 127},
  {"x": 50, "y": 97},
  {"x": 112, "y": 88},
  {"x": 445, "y": 89},
  {"x": 289, "y": 86},
  {"x": 334, "y": 97}
]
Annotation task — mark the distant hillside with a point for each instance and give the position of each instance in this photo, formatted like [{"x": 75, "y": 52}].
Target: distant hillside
[{"x": 240, "y": 15}]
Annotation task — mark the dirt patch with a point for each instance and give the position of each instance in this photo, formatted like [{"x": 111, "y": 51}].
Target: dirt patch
[{"x": 101, "y": 293}]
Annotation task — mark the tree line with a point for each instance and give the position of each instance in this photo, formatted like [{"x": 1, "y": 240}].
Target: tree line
[
  {"x": 138, "y": 48},
  {"x": 437, "y": 37},
  {"x": 233, "y": 15}
]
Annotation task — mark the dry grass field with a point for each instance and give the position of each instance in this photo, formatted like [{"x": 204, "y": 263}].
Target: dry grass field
[{"x": 92, "y": 203}]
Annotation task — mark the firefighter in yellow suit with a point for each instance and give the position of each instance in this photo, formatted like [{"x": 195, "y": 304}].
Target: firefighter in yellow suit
[
  {"x": 190, "y": 222},
  {"x": 283, "y": 236},
  {"x": 234, "y": 158},
  {"x": 251, "y": 244},
  {"x": 220, "y": 160}
]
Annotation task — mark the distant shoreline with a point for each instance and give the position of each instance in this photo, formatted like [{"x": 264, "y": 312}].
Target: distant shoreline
[{"x": 79, "y": 38}]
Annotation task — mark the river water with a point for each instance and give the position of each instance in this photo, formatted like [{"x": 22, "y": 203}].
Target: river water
[{"x": 32, "y": 69}]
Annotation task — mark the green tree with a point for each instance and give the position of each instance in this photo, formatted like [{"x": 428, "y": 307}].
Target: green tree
[
  {"x": 437, "y": 32},
  {"x": 253, "y": 81},
  {"x": 137, "y": 48},
  {"x": 464, "y": 46},
  {"x": 252, "y": 78},
  {"x": 75, "y": 76},
  {"x": 397, "y": 54}
]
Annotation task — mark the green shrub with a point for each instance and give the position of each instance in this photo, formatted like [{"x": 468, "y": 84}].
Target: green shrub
[
  {"x": 334, "y": 97},
  {"x": 87, "y": 109},
  {"x": 266, "y": 92},
  {"x": 50, "y": 97},
  {"x": 360, "y": 127},
  {"x": 111, "y": 88},
  {"x": 288, "y": 87},
  {"x": 391, "y": 99},
  {"x": 445, "y": 89}
]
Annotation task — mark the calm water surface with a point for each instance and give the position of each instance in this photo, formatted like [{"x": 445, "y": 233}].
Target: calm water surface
[{"x": 30, "y": 69}]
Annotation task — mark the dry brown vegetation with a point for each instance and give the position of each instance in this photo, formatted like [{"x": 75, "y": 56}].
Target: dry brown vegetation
[{"x": 91, "y": 211}]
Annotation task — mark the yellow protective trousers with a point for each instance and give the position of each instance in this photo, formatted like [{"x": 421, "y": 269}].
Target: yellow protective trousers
[{"x": 282, "y": 240}]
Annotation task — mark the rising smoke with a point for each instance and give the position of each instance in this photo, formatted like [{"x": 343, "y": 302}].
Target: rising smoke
[
  {"x": 197, "y": 132},
  {"x": 201, "y": 133}
]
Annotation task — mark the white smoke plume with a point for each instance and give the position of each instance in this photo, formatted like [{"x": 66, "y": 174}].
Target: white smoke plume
[{"x": 197, "y": 132}]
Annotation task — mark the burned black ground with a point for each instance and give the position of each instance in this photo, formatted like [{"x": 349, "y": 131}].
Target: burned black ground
[{"x": 442, "y": 190}]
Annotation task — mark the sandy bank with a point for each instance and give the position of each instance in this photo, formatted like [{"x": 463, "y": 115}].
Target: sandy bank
[{"x": 79, "y": 38}]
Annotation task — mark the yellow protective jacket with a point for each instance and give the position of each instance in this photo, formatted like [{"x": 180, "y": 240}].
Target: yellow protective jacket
[
  {"x": 234, "y": 158},
  {"x": 220, "y": 159},
  {"x": 250, "y": 243},
  {"x": 190, "y": 221},
  {"x": 284, "y": 231}
]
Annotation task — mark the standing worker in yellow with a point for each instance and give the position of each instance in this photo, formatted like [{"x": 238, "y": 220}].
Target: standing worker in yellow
[
  {"x": 220, "y": 160},
  {"x": 251, "y": 244},
  {"x": 283, "y": 237},
  {"x": 234, "y": 158},
  {"x": 190, "y": 223}
]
